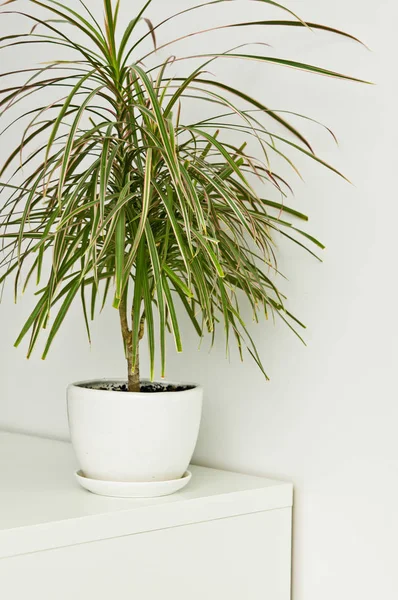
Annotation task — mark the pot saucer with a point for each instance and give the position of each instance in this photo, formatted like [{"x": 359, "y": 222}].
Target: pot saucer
[{"x": 125, "y": 489}]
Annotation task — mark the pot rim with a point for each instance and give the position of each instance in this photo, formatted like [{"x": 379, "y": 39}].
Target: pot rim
[{"x": 83, "y": 385}]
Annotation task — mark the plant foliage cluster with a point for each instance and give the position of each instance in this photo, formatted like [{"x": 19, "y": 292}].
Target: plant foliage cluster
[{"x": 111, "y": 194}]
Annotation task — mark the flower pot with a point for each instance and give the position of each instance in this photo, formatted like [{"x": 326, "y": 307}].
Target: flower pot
[{"x": 122, "y": 436}]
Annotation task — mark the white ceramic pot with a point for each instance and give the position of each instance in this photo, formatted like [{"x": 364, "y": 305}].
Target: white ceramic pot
[{"x": 133, "y": 436}]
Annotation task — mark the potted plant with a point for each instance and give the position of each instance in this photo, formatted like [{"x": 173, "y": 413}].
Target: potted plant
[{"x": 110, "y": 195}]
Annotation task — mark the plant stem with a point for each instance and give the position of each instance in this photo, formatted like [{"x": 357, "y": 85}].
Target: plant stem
[
  {"x": 133, "y": 382},
  {"x": 133, "y": 377}
]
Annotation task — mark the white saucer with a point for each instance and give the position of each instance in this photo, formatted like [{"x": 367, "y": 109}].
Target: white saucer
[{"x": 121, "y": 489}]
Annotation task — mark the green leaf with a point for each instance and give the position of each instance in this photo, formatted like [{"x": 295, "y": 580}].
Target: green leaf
[
  {"x": 85, "y": 313},
  {"x": 129, "y": 30},
  {"x": 120, "y": 233},
  {"x": 285, "y": 63},
  {"x": 150, "y": 325},
  {"x": 173, "y": 315},
  {"x": 177, "y": 281},
  {"x": 70, "y": 140},
  {"x": 137, "y": 301},
  {"x": 256, "y": 104},
  {"x": 63, "y": 111},
  {"x": 156, "y": 269},
  {"x": 61, "y": 315},
  {"x": 146, "y": 202}
]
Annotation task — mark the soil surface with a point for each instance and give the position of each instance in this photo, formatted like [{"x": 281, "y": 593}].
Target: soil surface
[{"x": 146, "y": 387}]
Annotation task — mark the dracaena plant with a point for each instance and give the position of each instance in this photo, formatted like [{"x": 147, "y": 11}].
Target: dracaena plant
[{"x": 110, "y": 195}]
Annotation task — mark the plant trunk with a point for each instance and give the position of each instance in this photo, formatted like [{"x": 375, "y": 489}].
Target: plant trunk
[
  {"x": 133, "y": 380},
  {"x": 133, "y": 377}
]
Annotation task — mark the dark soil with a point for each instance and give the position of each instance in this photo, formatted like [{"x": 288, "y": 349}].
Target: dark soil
[{"x": 146, "y": 387}]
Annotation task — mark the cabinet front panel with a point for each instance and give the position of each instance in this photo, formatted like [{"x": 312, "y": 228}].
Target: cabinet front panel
[{"x": 245, "y": 557}]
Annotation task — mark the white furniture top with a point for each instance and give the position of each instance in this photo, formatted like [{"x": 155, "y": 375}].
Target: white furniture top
[{"x": 42, "y": 507}]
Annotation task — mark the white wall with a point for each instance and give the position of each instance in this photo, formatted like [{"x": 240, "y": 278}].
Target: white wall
[{"x": 327, "y": 420}]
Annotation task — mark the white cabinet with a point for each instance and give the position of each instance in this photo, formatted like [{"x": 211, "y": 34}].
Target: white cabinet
[{"x": 225, "y": 537}]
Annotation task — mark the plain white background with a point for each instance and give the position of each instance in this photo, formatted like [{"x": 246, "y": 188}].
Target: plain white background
[{"x": 327, "y": 419}]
